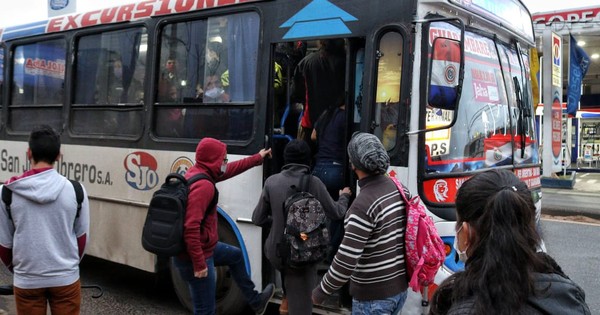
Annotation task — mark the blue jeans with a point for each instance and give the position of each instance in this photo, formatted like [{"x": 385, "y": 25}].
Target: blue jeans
[
  {"x": 231, "y": 256},
  {"x": 388, "y": 306},
  {"x": 332, "y": 175},
  {"x": 202, "y": 290}
]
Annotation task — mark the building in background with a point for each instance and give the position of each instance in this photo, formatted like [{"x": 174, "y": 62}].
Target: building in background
[{"x": 583, "y": 133}]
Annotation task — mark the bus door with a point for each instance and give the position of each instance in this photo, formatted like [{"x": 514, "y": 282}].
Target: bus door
[
  {"x": 385, "y": 108},
  {"x": 310, "y": 77}
]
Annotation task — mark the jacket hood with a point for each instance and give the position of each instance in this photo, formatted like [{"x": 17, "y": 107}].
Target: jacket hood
[
  {"x": 209, "y": 155},
  {"x": 41, "y": 187},
  {"x": 558, "y": 295}
]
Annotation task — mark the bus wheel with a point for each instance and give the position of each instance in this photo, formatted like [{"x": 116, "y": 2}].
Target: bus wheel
[{"x": 229, "y": 298}]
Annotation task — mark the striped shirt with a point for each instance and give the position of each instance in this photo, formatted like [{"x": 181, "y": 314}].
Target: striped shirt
[{"x": 371, "y": 255}]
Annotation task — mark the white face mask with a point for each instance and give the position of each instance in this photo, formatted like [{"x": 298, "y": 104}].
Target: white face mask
[
  {"x": 214, "y": 92},
  {"x": 223, "y": 168},
  {"x": 462, "y": 256}
]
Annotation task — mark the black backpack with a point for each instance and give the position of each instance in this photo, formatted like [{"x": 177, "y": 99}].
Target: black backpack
[
  {"x": 7, "y": 197},
  {"x": 163, "y": 228},
  {"x": 306, "y": 236}
]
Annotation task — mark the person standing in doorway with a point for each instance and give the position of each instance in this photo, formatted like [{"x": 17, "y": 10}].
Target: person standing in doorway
[
  {"x": 329, "y": 134},
  {"x": 43, "y": 236},
  {"x": 319, "y": 80}
]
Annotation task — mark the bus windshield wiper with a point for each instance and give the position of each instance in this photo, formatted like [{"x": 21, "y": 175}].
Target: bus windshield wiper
[{"x": 523, "y": 114}]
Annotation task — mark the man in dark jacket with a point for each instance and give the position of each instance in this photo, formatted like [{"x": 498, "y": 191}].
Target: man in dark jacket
[
  {"x": 269, "y": 212},
  {"x": 204, "y": 250}
]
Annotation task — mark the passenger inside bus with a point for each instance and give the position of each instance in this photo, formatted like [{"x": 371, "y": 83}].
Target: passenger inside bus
[
  {"x": 169, "y": 80},
  {"x": 172, "y": 124},
  {"x": 118, "y": 90},
  {"x": 216, "y": 75},
  {"x": 318, "y": 81}
]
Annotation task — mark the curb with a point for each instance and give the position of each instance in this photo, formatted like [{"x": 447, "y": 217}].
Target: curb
[
  {"x": 569, "y": 212},
  {"x": 558, "y": 191}
]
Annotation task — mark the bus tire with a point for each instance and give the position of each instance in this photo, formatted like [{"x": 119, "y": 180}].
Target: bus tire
[{"x": 229, "y": 297}]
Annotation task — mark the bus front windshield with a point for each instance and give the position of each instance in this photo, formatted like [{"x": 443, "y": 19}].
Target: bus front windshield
[{"x": 494, "y": 125}]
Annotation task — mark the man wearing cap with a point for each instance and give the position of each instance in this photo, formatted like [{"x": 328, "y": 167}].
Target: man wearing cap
[
  {"x": 269, "y": 212},
  {"x": 371, "y": 256}
]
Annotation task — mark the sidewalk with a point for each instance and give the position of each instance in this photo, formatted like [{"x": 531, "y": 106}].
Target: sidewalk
[{"x": 583, "y": 199}]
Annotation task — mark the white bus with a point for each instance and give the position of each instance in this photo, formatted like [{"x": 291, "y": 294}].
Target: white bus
[{"x": 444, "y": 83}]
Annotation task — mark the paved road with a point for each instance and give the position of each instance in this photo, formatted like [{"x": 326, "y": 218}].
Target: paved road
[
  {"x": 576, "y": 248},
  {"x": 583, "y": 200}
]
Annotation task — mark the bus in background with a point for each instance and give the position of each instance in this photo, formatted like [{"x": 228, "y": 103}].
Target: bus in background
[{"x": 443, "y": 83}]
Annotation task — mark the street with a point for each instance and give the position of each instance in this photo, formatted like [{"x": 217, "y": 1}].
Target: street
[
  {"x": 576, "y": 248},
  {"x": 574, "y": 245}
]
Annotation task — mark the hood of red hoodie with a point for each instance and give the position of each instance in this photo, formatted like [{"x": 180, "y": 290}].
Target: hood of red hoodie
[{"x": 209, "y": 155}]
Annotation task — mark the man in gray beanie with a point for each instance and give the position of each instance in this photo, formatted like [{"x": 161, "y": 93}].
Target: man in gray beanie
[
  {"x": 371, "y": 256},
  {"x": 367, "y": 154}
]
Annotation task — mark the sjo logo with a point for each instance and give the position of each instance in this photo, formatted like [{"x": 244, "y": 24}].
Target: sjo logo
[{"x": 141, "y": 170}]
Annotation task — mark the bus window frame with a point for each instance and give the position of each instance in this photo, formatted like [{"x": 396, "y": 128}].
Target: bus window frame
[
  {"x": 3, "y": 65},
  {"x": 9, "y": 70},
  {"x": 72, "y": 107},
  {"x": 252, "y": 105}
]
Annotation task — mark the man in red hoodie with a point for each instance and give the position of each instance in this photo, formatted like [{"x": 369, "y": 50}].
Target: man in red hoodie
[{"x": 204, "y": 250}]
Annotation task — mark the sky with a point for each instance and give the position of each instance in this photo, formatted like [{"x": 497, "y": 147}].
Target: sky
[{"x": 24, "y": 11}]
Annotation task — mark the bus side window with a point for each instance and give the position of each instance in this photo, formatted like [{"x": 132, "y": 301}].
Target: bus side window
[
  {"x": 1, "y": 75},
  {"x": 206, "y": 66},
  {"x": 109, "y": 83},
  {"x": 387, "y": 98},
  {"x": 37, "y": 85}
]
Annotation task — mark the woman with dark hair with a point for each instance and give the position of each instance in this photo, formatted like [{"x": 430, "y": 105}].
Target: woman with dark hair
[{"x": 505, "y": 273}]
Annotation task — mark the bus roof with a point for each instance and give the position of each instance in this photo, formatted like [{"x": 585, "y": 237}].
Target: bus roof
[{"x": 122, "y": 13}]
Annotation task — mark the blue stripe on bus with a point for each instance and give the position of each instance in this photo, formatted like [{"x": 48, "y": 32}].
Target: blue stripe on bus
[
  {"x": 239, "y": 237},
  {"x": 24, "y": 30}
]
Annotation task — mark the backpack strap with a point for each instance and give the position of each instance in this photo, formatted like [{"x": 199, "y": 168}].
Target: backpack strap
[
  {"x": 400, "y": 189},
  {"x": 7, "y": 199},
  {"x": 200, "y": 176},
  {"x": 78, "y": 195},
  {"x": 304, "y": 183}
]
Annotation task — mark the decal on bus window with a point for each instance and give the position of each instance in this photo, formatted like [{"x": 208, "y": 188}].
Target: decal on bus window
[{"x": 318, "y": 18}]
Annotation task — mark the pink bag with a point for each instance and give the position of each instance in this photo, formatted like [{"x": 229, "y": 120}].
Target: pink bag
[{"x": 424, "y": 248}]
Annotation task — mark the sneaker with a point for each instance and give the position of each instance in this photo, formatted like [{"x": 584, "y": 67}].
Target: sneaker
[
  {"x": 283, "y": 308},
  {"x": 265, "y": 296}
]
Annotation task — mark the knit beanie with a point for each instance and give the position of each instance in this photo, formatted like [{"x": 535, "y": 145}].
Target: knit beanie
[
  {"x": 297, "y": 151},
  {"x": 368, "y": 154}
]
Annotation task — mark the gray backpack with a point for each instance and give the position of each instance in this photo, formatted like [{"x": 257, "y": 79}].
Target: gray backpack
[{"x": 305, "y": 236}]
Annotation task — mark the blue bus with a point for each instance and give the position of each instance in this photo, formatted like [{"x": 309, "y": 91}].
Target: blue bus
[{"x": 445, "y": 84}]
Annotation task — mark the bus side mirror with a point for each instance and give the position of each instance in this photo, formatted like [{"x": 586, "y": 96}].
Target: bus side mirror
[{"x": 444, "y": 72}]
